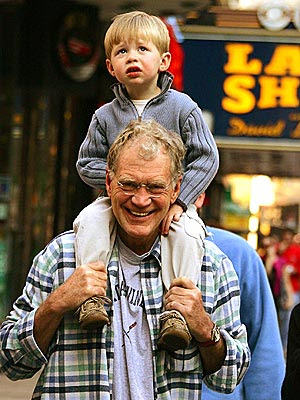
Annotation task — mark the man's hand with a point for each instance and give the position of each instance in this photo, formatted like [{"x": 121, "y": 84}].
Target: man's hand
[
  {"x": 186, "y": 298},
  {"x": 86, "y": 281},
  {"x": 173, "y": 214}
]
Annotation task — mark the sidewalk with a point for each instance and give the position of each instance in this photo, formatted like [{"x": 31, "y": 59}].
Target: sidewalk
[{"x": 20, "y": 390}]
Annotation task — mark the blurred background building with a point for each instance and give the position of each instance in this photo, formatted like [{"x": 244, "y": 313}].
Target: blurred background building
[{"x": 239, "y": 60}]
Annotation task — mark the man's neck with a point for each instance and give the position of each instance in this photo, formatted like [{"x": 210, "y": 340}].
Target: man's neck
[{"x": 138, "y": 246}]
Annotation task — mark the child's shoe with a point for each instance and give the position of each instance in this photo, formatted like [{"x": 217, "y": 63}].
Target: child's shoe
[
  {"x": 92, "y": 314},
  {"x": 174, "y": 332}
]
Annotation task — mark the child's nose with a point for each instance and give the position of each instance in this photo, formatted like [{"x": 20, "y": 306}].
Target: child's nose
[{"x": 132, "y": 55}]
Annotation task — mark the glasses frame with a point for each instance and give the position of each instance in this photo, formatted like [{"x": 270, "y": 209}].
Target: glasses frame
[{"x": 138, "y": 186}]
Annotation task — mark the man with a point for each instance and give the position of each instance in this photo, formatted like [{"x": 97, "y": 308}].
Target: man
[
  {"x": 291, "y": 384},
  {"x": 265, "y": 374},
  {"x": 122, "y": 361},
  {"x": 290, "y": 254}
]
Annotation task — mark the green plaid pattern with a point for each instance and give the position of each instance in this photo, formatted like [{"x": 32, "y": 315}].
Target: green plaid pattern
[{"x": 79, "y": 364}]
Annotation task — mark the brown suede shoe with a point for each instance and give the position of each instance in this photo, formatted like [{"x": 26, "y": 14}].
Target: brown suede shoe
[
  {"x": 174, "y": 332},
  {"x": 92, "y": 314}
]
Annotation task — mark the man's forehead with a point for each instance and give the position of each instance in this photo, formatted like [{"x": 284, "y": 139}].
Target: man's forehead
[
  {"x": 134, "y": 162},
  {"x": 145, "y": 148}
]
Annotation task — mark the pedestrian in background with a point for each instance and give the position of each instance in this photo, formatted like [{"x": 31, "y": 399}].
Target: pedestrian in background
[
  {"x": 265, "y": 375},
  {"x": 291, "y": 383},
  {"x": 289, "y": 251}
]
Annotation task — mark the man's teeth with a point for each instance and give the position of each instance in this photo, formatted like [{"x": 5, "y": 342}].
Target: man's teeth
[{"x": 139, "y": 214}]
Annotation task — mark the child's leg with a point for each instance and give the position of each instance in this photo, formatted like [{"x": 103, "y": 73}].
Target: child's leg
[
  {"x": 181, "y": 254},
  {"x": 182, "y": 250},
  {"x": 95, "y": 233}
]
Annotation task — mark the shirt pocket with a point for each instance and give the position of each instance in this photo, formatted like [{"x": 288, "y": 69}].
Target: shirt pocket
[{"x": 187, "y": 360}]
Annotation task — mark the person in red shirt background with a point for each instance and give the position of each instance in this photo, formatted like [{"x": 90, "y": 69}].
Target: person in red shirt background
[{"x": 289, "y": 251}]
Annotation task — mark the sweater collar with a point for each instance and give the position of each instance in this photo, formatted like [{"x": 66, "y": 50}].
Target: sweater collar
[{"x": 165, "y": 80}]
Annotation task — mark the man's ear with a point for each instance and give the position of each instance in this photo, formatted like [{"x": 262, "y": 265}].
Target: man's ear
[
  {"x": 108, "y": 183},
  {"x": 176, "y": 190},
  {"x": 165, "y": 61},
  {"x": 109, "y": 67}
]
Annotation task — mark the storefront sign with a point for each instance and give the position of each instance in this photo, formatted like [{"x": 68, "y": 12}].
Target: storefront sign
[{"x": 252, "y": 89}]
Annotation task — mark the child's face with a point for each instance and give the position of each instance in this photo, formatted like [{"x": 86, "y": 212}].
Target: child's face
[{"x": 136, "y": 64}]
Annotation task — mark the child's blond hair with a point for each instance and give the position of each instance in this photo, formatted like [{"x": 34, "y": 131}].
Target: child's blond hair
[{"x": 135, "y": 25}]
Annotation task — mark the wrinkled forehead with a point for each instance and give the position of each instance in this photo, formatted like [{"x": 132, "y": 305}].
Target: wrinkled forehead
[
  {"x": 143, "y": 148},
  {"x": 147, "y": 160}
]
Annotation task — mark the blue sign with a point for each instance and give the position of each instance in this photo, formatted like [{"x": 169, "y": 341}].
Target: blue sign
[{"x": 252, "y": 89}]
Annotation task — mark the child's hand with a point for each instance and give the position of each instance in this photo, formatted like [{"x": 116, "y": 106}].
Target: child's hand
[{"x": 173, "y": 214}]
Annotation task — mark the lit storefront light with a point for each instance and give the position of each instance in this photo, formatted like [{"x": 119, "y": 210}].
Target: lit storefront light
[
  {"x": 254, "y": 4},
  {"x": 262, "y": 194},
  {"x": 252, "y": 239},
  {"x": 253, "y": 223}
]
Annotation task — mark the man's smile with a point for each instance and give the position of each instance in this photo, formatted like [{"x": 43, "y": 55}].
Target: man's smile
[{"x": 139, "y": 214}]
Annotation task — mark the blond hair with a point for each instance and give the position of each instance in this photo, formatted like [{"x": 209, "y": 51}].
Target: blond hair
[
  {"x": 137, "y": 24},
  {"x": 149, "y": 137}
]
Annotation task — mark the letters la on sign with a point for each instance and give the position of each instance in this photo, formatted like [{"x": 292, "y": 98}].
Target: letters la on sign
[{"x": 254, "y": 87}]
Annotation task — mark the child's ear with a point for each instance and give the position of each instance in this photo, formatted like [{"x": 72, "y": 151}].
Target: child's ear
[
  {"x": 165, "y": 61},
  {"x": 109, "y": 67}
]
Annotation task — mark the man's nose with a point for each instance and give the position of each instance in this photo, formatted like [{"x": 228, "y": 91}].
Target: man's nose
[{"x": 141, "y": 197}]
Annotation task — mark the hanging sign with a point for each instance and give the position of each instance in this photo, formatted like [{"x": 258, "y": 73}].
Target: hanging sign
[{"x": 252, "y": 89}]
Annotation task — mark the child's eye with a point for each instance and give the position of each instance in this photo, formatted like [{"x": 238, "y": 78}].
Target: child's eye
[
  {"x": 142, "y": 49},
  {"x": 121, "y": 51}
]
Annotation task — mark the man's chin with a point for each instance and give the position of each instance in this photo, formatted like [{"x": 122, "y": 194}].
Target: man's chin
[{"x": 138, "y": 235}]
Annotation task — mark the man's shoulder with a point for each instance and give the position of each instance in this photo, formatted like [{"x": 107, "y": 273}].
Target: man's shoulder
[
  {"x": 64, "y": 237},
  {"x": 213, "y": 254},
  {"x": 58, "y": 254},
  {"x": 64, "y": 242},
  {"x": 231, "y": 243},
  {"x": 222, "y": 235},
  {"x": 244, "y": 257}
]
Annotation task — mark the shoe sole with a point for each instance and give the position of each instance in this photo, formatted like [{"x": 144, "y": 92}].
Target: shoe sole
[
  {"x": 94, "y": 321},
  {"x": 173, "y": 342}
]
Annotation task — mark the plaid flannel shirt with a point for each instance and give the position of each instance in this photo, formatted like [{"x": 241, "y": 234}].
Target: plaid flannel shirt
[{"x": 79, "y": 364}]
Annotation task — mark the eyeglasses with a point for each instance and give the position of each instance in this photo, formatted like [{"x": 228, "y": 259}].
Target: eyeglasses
[{"x": 153, "y": 189}]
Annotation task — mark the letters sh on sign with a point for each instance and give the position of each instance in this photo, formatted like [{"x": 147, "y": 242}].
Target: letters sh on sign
[{"x": 251, "y": 88}]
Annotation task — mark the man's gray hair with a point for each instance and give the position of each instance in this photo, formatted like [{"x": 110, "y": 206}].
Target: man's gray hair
[{"x": 149, "y": 137}]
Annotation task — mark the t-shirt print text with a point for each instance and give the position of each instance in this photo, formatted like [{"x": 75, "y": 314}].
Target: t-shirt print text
[{"x": 134, "y": 296}]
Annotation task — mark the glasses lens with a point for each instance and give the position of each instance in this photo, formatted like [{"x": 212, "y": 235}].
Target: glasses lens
[
  {"x": 156, "y": 188},
  {"x": 130, "y": 187}
]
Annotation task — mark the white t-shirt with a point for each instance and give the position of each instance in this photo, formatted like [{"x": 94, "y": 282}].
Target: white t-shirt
[
  {"x": 133, "y": 364},
  {"x": 140, "y": 105}
]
